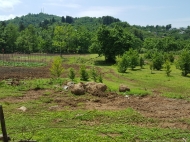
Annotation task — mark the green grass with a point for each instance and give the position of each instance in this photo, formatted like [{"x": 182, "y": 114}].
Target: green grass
[
  {"x": 80, "y": 125},
  {"x": 41, "y": 123}
]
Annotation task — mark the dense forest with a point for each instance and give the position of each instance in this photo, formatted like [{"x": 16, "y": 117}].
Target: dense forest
[{"x": 107, "y": 36}]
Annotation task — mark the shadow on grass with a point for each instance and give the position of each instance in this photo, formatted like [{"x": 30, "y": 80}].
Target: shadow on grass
[
  {"x": 136, "y": 69},
  {"x": 102, "y": 63}
]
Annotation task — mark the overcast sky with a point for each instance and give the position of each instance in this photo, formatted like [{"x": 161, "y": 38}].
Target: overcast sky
[{"x": 135, "y": 12}]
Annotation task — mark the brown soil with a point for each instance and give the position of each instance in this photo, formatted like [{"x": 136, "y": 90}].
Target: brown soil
[{"x": 169, "y": 112}]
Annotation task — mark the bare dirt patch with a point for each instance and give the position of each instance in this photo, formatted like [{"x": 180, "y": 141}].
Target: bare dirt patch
[{"x": 169, "y": 112}]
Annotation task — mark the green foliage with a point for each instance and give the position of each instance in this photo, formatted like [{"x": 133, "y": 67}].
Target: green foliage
[
  {"x": 133, "y": 58},
  {"x": 56, "y": 67},
  {"x": 83, "y": 73},
  {"x": 157, "y": 61},
  {"x": 113, "y": 42},
  {"x": 183, "y": 62},
  {"x": 71, "y": 74},
  {"x": 169, "y": 57},
  {"x": 130, "y": 58},
  {"x": 123, "y": 64},
  {"x": 168, "y": 68},
  {"x": 94, "y": 74}
]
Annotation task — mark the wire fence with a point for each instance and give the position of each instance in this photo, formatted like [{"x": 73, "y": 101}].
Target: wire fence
[{"x": 16, "y": 59}]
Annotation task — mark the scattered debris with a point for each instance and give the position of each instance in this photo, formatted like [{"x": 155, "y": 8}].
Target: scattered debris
[{"x": 22, "y": 108}]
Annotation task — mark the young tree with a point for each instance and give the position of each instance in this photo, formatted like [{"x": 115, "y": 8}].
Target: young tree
[
  {"x": 157, "y": 60},
  {"x": 168, "y": 68},
  {"x": 133, "y": 57},
  {"x": 183, "y": 62},
  {"x": 56, "y": 67},
  {"x": 94, "y": 74},
  {"x": 83, "y": 73},
  {"x": 123, "y": 64},
  {"x": 71, "y": 74}
]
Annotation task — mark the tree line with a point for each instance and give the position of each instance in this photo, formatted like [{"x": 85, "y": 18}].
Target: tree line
[{"x": 106, "y": 36}]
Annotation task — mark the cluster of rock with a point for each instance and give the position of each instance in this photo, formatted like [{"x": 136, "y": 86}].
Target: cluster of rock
[
  {"x": 89, "y": 87},
  {"x": 96, "y": 89}
]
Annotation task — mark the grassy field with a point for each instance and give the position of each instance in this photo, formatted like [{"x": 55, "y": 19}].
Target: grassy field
[{"x": 45, "y": 121}]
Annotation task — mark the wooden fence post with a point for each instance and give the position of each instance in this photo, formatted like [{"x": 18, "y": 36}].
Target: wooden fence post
[{"x": 3, "y": 127}]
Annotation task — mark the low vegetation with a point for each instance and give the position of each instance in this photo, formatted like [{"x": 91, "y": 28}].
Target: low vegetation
[{"x": 45, "y": 119}]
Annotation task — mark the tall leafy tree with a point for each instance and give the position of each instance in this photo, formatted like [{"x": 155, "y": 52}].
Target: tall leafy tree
[
  {"x": 45, "y": 41},
  {"x": 28, "y": 41},
  {"x": 113, "y": 42},
  {"x": 62, "y": 37},
  {"x": 10, "y": 33}
]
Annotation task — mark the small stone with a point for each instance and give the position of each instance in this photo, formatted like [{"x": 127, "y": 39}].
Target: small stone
[{"x": 22, "y": 108}]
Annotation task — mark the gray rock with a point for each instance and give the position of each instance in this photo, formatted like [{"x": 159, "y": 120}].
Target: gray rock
[{"x": 123, "y": 88}]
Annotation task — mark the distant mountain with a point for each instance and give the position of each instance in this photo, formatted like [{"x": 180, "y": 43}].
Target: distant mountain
[
  {"x": 34, "y": 19},
  {"x": 46, "y": 19}
]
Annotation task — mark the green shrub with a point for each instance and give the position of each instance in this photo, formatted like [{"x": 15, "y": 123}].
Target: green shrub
[
  {"x": 83, "y": 73},
  {"x": 133, "y": 57},
  {"x": 71, "y": 74},
  {"x": 122, "y": 64},
  {"x": 56, "y": 67},
  {"x": 94, "y": 74}
]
